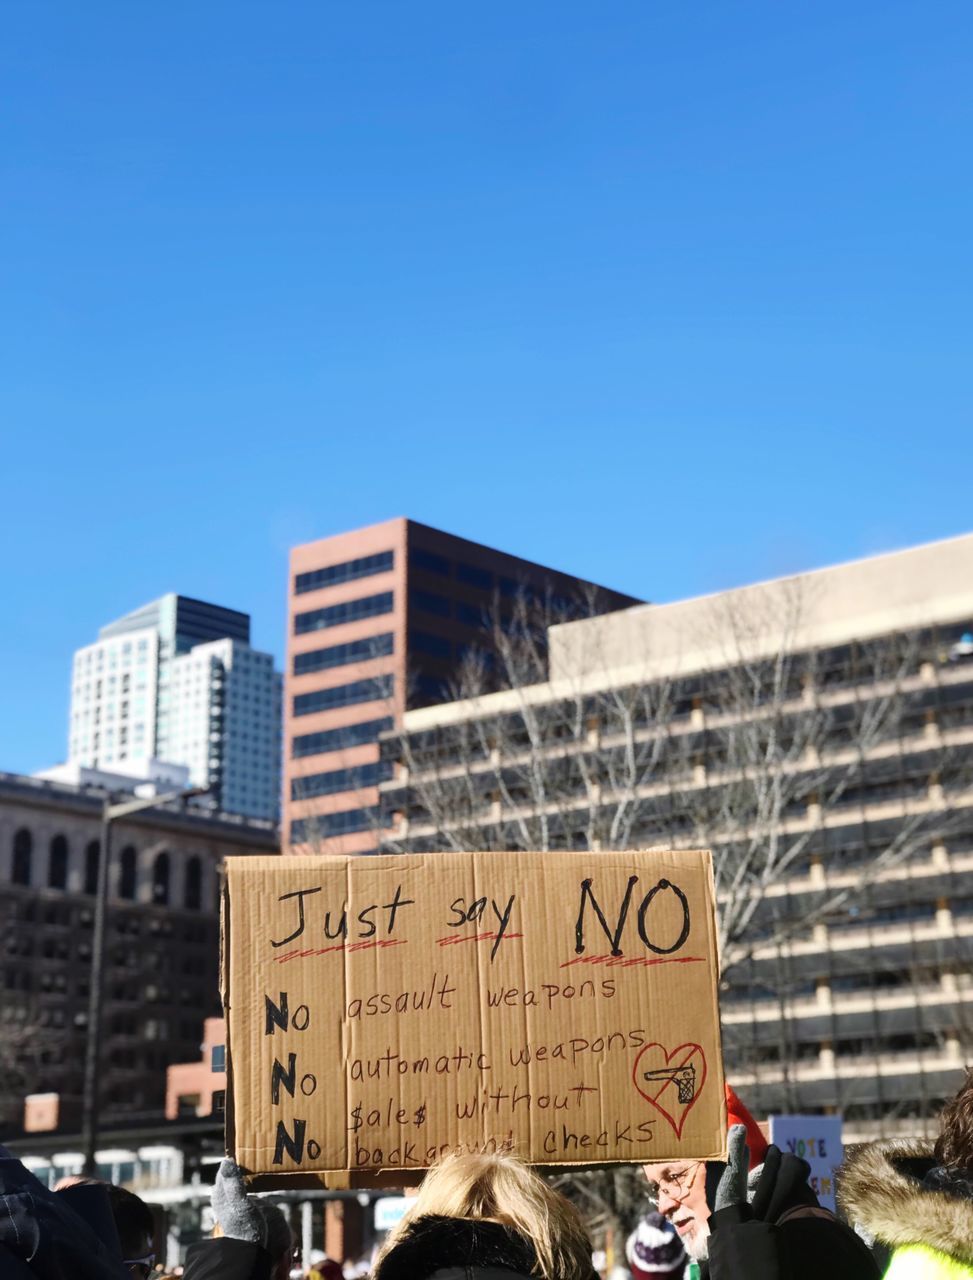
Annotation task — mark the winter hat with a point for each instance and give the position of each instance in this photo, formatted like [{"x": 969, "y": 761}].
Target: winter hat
[
  {"x": 736, "y": 1113},
  {"x": 954, "y": 1182},
  {"x": 654, "y": 1250}
]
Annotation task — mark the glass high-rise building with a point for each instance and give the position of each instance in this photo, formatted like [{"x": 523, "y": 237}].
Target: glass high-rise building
[{"x": 177, "y": 681}]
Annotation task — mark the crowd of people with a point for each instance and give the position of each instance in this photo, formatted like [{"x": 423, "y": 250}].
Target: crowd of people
[{"x": 906, "y": 1212}]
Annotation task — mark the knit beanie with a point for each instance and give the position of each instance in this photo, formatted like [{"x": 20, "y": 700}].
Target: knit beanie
[{"x": 654, "y": 1249}]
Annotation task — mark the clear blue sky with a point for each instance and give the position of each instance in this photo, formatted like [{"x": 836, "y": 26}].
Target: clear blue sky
[{"x": 675, "y": 296}]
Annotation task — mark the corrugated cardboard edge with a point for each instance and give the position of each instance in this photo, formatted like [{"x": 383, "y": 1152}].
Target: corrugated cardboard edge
[
  {"x": 331, "y": 1179},
  {"x": 352, "y": 1179},
  {"x": 229, "y": 1127},
  {"x": 388, "y": 1179},
  {"x": 714, "y": 943}
]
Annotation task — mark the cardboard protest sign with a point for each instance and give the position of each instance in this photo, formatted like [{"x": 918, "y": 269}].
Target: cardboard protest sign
[
  {"x": 383, "y": 1011},
  {"x": 818, "y": 1140}
]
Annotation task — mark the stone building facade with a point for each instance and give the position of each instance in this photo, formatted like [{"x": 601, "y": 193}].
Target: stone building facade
[
  {"x": 817, "y": 734},
  {"x": 162, "y": 941}
]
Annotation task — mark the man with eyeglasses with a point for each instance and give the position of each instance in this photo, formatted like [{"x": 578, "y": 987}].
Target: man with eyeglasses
[
  {"x": 677, "y": 1190},
  {"x": 755, "y": 1220}
]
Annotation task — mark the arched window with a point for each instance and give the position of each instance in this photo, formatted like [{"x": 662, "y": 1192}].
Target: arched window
[
  {"x": 194, "y": 884},
  {"x": 160, "y": 879},
  {"x": 57, "y": 867},
  {"x": 23, "y": 848},
  {"x": 126, "y": 876},
  {"x": 92, "y": 856}
]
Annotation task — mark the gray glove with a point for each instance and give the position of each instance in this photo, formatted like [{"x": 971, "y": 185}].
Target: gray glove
[
  {"x": 234, "y": 1211},
  {"x": 732, "y": 1187}
]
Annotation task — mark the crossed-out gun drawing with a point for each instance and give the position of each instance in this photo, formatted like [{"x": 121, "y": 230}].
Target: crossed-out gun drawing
[{"x": 683, "y": 1077}]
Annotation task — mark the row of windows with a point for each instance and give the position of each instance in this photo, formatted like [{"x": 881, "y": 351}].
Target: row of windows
[
  {"x": 337, "y": 614},
  {"x": 429, "y": 560},
  {"x": 57, "y": 870},
  {"x": 484, "y": 580},
  {"x": 431, "y": 689},
  {"x": 344, "y": 695},
  {"x": 473, "y": 615},
  {"x": 339, "y": 655},
  {"x": 327, "y": 784},
  {"x": 347, "y": 822},
  {"x": 430, "y": 602},
  {"x": 363, "y": 567},
  {"x": 349, "y": 735},
  {"x": 424, "y": 642},
  {"x": 95, "y": 655}
]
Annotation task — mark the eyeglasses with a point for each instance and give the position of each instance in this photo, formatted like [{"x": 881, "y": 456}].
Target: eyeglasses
[
  {"x": 675, "y": 1184},
  {"x": 141, "y": 1266}
]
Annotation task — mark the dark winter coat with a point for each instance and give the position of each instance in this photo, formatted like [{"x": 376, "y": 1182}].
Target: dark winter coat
[
  {"x": 42, "y": 1237},
  {"x": 226, "y": 1259},
  {"x": 930, "y": 1230},
  {"x": 784, "y": 1234},
  {"x": 458, "y": 1249}
]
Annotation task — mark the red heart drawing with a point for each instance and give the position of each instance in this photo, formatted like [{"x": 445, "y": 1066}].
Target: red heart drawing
[{"x": 679, "y": 1075}]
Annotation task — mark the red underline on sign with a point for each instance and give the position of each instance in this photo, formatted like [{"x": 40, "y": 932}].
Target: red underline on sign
[
  {"x": 476, "y": 937},
  {"x": 339, "y": 946},
  {"x": 622, "y": 962}
]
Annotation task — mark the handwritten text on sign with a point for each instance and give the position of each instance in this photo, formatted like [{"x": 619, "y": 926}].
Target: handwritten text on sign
[{"x": 383, "y": 1011}]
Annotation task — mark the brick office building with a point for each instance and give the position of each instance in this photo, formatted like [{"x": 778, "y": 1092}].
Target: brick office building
[{"x": 379, "y": 620}]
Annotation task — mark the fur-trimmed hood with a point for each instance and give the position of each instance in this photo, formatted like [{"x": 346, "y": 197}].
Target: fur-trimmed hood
[
  {"x": 880, "y": 1190},
  {"x": 457, "y": 1247}
]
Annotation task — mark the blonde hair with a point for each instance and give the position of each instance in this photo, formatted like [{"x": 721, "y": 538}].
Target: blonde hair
[{"x": 502, "y": 1188}]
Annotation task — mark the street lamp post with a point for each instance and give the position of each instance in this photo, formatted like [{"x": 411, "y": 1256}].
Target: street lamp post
[{"x": 90, "y": 1102}]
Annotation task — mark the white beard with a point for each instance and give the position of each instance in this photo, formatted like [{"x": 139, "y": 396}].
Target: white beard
[{"x": 698, "y": 1247}]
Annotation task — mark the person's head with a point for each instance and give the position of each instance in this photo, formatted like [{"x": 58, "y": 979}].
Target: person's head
[
  {"x": 136, "y": 1230},
  {"x": 654, "y": 1250},
  {"x": 278, "y": 1240},
  {"x": 328, "y": 1269},
  {"x": 501, "y": 1188},
  {"x": 677, "y": 1190},
  {"x": 954, "y": 1146}
]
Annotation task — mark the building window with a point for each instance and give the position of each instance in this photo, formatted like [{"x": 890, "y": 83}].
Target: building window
[
  {"x": 430, "y": 602},
  {"x": 327, "y": 784},
  {"x": 160, "y": 880},
  {"x": 435, "y": 646},
  {"x": 343, "y": 695},
  {"x": 126, "y": 879},
  {"x": 472, "y": 615},
  {"x": 57, "y": 868},
  {"x": 323, "y": 825},
  {"x": 363, "y": 567},
  {"x": 423, "y": 559},
  {"x": 339, "y": 655},
  {"x": 92, "y": 856},
  {"x": 475, "y": 577},
  {"x": 430, "y": 689},
  {"x": 23, "y": 852},
  {"x": 350, "y": 735},
  {"x": 337, "y": 614},
  {"x": 194, "y": 884}
]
